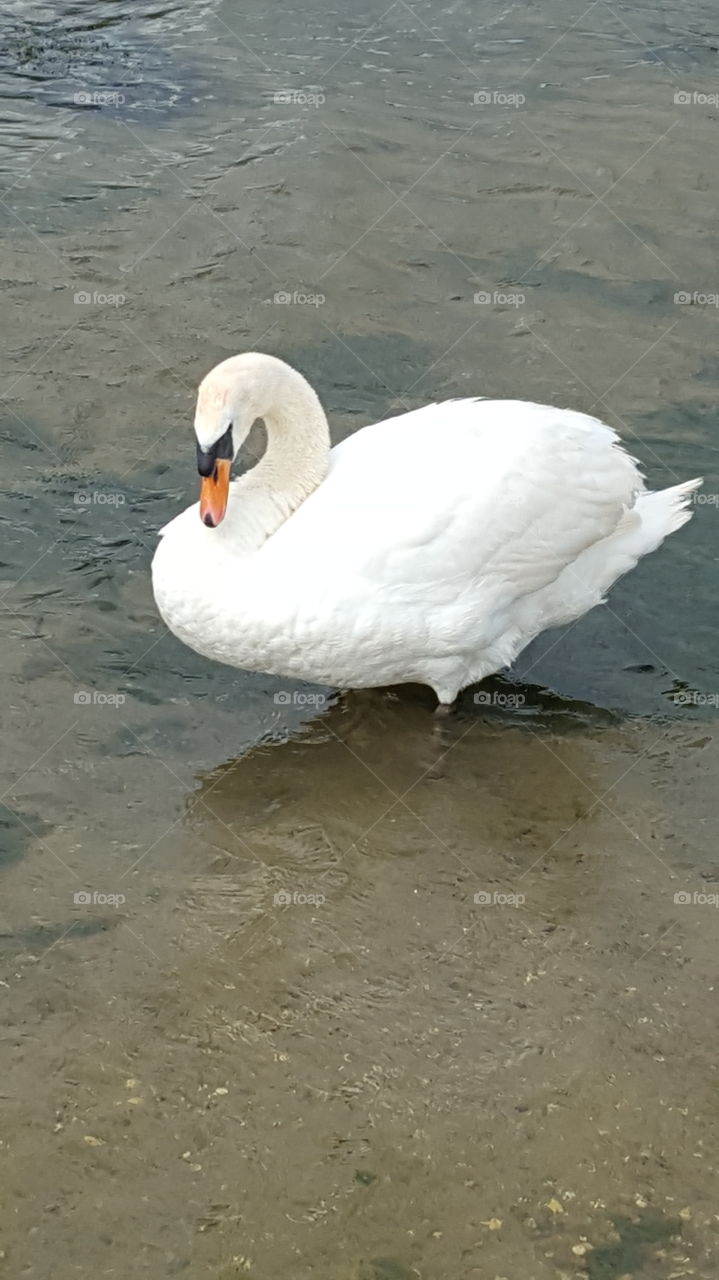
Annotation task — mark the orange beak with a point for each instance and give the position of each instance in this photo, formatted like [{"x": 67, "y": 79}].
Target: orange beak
[{"x": 214, "y": 491}]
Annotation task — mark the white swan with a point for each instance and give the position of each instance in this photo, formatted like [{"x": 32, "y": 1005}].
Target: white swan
[{"x": 430, "y": 547}]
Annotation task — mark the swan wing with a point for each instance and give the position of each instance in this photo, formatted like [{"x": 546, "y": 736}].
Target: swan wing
[{"x": 424, "y": 505}]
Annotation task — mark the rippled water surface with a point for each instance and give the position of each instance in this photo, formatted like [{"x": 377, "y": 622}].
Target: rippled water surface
[{"x": 320, "y": 989}]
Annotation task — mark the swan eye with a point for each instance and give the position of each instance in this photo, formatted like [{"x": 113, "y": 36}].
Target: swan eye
[{"x": 221, "y": 449}]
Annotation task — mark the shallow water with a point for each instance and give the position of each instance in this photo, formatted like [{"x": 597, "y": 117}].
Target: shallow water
[{"x": 382, "y": 1077}]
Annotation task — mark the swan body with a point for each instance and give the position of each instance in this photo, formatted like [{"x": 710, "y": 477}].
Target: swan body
[{"x": 431, "y": 547}]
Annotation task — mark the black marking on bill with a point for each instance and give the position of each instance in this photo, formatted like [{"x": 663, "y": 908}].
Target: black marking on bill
[{"x": 222, "y": 448}]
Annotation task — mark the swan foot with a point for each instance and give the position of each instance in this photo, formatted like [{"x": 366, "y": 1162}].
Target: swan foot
[{"x": 444, "y": 709}]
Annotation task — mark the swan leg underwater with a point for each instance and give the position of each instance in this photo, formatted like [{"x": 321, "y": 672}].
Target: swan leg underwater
[{"x": 431, "y": 547}]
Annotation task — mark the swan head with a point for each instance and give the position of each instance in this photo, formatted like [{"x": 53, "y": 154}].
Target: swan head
[{"x": 230, "y": 399}]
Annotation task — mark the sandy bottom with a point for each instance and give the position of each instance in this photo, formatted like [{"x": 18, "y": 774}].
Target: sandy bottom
[{"x": 385, "y": 1076}]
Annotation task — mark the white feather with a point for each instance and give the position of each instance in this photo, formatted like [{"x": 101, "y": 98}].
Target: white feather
[{"x": 437, "y": 545}]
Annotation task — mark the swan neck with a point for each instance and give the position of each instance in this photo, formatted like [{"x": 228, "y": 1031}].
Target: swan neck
[{"x": 296, "y": 458}]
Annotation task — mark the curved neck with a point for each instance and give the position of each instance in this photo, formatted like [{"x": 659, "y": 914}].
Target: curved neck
[
  {"x": 298, "y": 444},
  {"x": 294, "y": 463}
]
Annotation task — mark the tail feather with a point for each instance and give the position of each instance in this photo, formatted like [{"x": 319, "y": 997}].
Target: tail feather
[
  {"x": 664, "y": 512},
  {"x": 585, "y": 583}
]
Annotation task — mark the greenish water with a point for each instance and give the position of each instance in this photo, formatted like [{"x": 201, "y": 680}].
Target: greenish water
[{"x": 360, "y": 1087}]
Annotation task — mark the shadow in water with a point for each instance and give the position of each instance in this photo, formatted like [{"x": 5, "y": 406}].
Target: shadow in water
[{"x": 485, "y": 801}]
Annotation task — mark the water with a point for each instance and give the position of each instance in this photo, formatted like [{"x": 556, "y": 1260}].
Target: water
[{"x": 382, "y": 1078}]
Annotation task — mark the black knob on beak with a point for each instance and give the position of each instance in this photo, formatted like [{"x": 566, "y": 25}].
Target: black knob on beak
[{"x": 222, "y": 448}]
